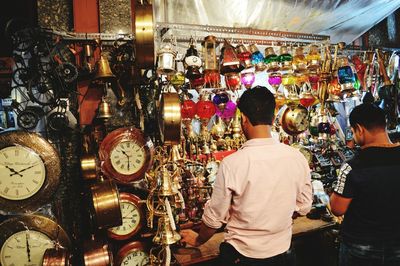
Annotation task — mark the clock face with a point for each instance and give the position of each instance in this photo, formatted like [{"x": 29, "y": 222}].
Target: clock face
[
  {"x": 130, "y": 219},
  {"x": 127, "y": 157},
  {"x": 135, "y": 258},
  {"x": 25, "y": 248},
  {"x": 23, "y": 173}
]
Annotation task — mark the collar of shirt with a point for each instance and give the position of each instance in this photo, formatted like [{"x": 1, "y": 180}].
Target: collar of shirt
[{"x": 260, "y": 142}]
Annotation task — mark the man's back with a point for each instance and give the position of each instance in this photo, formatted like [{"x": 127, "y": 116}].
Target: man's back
[
  {"x": 373, "y": 183},
  {"x": 268, "y": 181}
]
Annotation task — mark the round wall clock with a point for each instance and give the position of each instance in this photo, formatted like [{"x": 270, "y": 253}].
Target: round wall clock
[
  {"x": 132, "y": 254},
  {"x": 29, "y": 169},
  {"x": 25, "y": 239},
  {"x": 125, "y": 155},
  {"x": 132, "y": 217}
]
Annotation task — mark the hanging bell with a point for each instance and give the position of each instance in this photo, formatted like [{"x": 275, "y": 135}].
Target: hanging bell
[
  {"x": 218, "y": 129},
  {"x": 104, "y": 109},
  {"x": 165, "y": 234},
  {"x": 103, "y": 70},
  {"x": 166, "y": 187},
  {"x": 166, "y": 60},
  {"x": 175, "y": 155}
]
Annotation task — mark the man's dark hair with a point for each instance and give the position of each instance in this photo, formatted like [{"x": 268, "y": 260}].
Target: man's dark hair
[
  {"x": 369, "y": 116},
  {"x": 258, "y": 104}
]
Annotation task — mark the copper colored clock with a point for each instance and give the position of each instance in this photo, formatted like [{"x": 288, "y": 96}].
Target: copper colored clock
[
  {"x": 132, "y": 217},
  {"x": 132, "y": 254},
  {"x": 29, "y": 169},
  {"x": 126, "y": 155}
]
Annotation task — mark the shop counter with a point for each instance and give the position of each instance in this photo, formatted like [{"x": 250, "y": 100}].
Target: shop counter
[{"x": 210, "y": 250}]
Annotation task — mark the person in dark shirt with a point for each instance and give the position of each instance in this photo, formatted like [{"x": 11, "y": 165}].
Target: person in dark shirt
[{"x": 368, "y": 194}]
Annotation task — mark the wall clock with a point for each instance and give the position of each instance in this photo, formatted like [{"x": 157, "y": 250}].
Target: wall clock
[
  {"x": 25, "y": 239},
  {"x": 132, "y": 217},
  {"x": 126, "y": 155},
  {"x": 132, "y": 254},
  {"x": 29, "y": 169}
]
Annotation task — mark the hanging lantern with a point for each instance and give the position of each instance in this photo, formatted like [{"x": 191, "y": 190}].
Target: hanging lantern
[
  {"x": 212, "y": 78},
  {"x": 324, "y": 127},
  {"x": 247, "y": 79},
  {"x": 271, "y": 60},
  {"x": 288, "y": 79},
  {"x": 228, "y": 112},
  {"x": 345, "y": 76},
  {"x": 257, "y": 59},
  {"x": 285, "y": 58},
  {"x": 220, "y": 99},
  {"x": 205, "y": 108},
  {"x": 313, "y": 77},
  {"x": 210, "y": 57},
  {"x": 244, "y": 56},
  {"x": 299, "y": 60},
  {"x": 229, "y": 61},
  {"x": 275, "y": 80},
  {"x": 313, "y": 58},
  {"x": 178, "y": 79},
  {"x": 307, "y": 99},
  {"x": 192, "y": 58},
  {"x": 232, "y": 81},
  {"x": 188, "y": 109},
  {"x": 166, "y": 59}
]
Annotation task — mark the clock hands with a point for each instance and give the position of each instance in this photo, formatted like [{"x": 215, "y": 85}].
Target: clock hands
[
  {"x": 19, "y": 172},
  {"x": 123, "y": 152},
  {"x": 28, "y": 250},
  {"x": 14, "y": 172}
]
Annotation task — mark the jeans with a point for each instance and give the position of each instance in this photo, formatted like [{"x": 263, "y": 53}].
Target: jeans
[
  {"x": 230, "y": 256},
  {"x": 354, "y": 254}
]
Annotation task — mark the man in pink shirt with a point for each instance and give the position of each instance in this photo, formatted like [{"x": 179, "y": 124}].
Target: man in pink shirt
[{"x": 256, "y": 192}]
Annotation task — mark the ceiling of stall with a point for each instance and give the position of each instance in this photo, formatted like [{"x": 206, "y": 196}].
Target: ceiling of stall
[{"x": 342, "y": 20}]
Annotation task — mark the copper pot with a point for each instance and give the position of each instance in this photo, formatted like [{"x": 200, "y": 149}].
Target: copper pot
[{"x": 105, "y": 199}]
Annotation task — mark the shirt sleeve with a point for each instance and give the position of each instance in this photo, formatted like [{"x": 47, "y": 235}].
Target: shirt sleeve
[
  {"x": 344, "y": 185},
  {"x": 217, "y": 208},
  {"x": 304, "y": 196}
]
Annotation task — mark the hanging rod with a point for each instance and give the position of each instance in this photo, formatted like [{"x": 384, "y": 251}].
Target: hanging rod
[
  {"x": 243, "y": 31},
  {"x": 90, "y": 36}
]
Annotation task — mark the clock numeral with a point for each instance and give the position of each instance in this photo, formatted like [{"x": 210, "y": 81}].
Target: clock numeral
[
  {"x": 34, "y": 181},
  {"x": 5, "y": 155},
  {"x": 134, "y": 221},
  {"x": 7, "y": 256},
  {"x": 16, "y": 152},
  {"x": 139, "y": 155},
  {"x": 116, "y": 157},
  {"x": 118, "y": 162},
  {"x": 17, "y": 192},
  {"x": 27, "y": 189},
  {"x": 37, "y": 172},
  {"x": 137, "y": 150},
  {"x": 138, "y": 161},
  {"x": 122, "y": 166},
  {"x": 128, "y": 145},
  {"x": 6, "y": 190},
  {"x": 10, "y": 247}
]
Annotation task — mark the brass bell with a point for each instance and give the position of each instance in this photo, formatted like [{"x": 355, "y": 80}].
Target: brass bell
[
  {"x": 104, "y": 109},
  {"x": 165, "y": 234},
  {"x": 103, "y": 70},
  {"x": 218, "y": 129},
  {"x": 206, "y": 149},
  {"x": 166, "y": 188},
  {"x": 175, "y": 155}
]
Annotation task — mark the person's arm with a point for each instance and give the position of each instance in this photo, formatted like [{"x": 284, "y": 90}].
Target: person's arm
[
  {"x": 196, "y": 239},
  {"x": 343, "y": 192},
  {"x": 304, "y": 196},
  {"x": 215, "y": 211}
]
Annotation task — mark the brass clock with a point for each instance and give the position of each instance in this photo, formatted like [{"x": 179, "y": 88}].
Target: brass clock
[
  {"x": 169, "y": 120},
  {"x": 126, "y": 155},
  {"x": 132, "y": 254},
  {"x": 25, "y": 239},
  {"x": 132, "y": 217},
  {"x": 29, "y": 170}
]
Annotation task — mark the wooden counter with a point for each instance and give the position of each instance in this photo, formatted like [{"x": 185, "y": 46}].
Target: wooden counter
[{"x": 210, "y": 250}]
